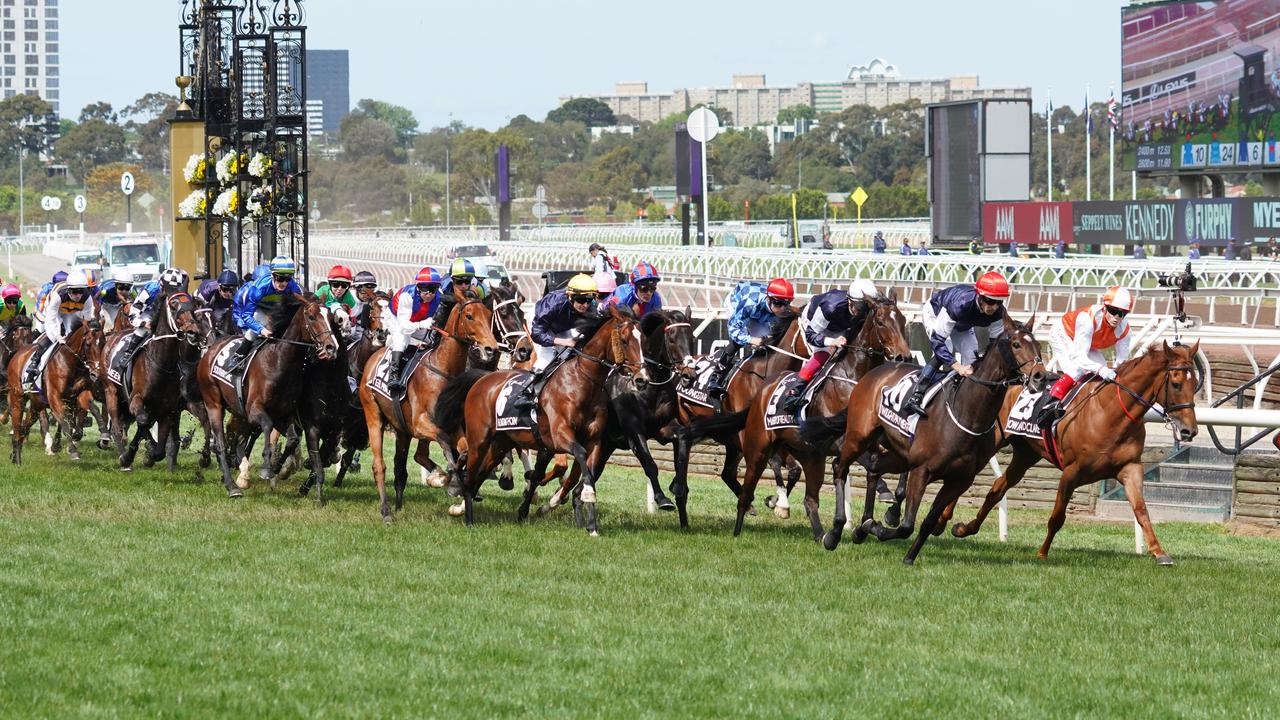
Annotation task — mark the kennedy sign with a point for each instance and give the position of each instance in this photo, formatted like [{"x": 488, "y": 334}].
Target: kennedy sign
[
  {"x": 1151, "y": 222},
  {"x": 1026, "y": 222}
]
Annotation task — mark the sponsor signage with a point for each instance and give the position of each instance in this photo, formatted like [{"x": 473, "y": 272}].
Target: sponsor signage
[
  {"x": 1034, "y": 223},
  {"x": 1150, "y": 222},
  {"x": 1209, "y": 222}
]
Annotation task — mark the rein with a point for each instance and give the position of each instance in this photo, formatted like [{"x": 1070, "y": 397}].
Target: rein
[
  {"x": 501, "y": 333},
  {"x": 1162, "y": 411}
]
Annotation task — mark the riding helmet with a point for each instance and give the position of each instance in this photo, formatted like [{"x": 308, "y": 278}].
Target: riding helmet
[
  {"x": 993, "y": 285},
  {"x": 174, "y": 278},
  {"x": 462, "y": 268},
  {"x": 428, "y": 276},
  {"x": 228, "y": 277},
  {"x": 364, "y": 277},
  {"x": 644, "y": 271},
  {"x": 1119, "y": 298},
  {"x": 283, "y": 265},
  {"x": 581, "y": 285},
  {"x": 10, "y": 291},
  {"x": 605, "y": 282},
  {"x": 340, "y": 272},
  {"x": 76, "y": 280},
  {"x": 781, "y": 289},
  {"x": 120, "y": 275},
  {"x": 863, "y": 288},
  {"x": 60, "y": 276}
]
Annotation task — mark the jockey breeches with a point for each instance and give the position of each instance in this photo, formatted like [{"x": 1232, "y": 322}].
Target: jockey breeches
[
  {"x": 544, "y": 354},
  {"x": 811, "y": 365}
]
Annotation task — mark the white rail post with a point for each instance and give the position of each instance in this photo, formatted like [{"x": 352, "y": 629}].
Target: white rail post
[{"x": 1003, "y": 508}]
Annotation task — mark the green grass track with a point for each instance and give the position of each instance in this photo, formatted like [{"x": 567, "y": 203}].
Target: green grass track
[{"x": 149, "y": 595}]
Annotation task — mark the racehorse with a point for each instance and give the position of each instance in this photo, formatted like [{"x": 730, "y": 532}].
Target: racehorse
[
  {"x": 16, "y": 336},
  {"x": 785, "y": 349},
  {"x": 882, "y": 338},
  {"x": 154, "y": 375},
  {"x": 640, "y": 413},
  {"x": 467, "y": 331},
  {"x": 952, "y": 443},
  {"x": 67, "y": 377},
  {"x": 1102, "y": 435},
  {"x": 572, "y": 412},
  {"x": 300, "y": 327}
]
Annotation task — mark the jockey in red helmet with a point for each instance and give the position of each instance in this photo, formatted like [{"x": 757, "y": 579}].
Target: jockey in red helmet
[{"x": 753, "y": 310}]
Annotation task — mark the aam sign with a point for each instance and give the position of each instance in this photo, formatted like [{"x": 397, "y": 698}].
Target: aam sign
[{"x": 1026, "y": 222}]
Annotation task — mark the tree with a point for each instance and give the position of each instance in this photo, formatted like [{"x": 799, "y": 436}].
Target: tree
[
  {"x": 93, "y": 142},
  {"x": 789, "y": 115},
  {"x": 365, "y": 137},
  {"x": 473, "y": 152},
  {"x": 588, "y": 111},
  {"x": 399, "y": 119},
  {"x": 568, "y": 187},
  {"x": 148, "y": 121},
  {"x": 736, "y": 156},
  {"x": 891, "y": 201},
  {"x": 106, "y": 202},
  {"x": 25, "y": 120},
  {"x": 99, "y": 111}
]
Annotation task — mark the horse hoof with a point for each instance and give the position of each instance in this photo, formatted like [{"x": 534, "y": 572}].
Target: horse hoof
[
  {"x": 506, "y": 483},
  {"x": 458, "y": 509},
  {"x": 782, "y": 513},
  {"x": 886, "y": 497},
  {"x": 126, "y": 468},
  {"x": 664, "y": 503},
  {"x": 104, "y": 443},
  {"x": 386, "y": 519},
  {"x": 859, "y": 536},
  {"x": 235, "y": 493},
  {"x": 242, "y": 483},
  {"x": 831, "y": 540},
  {"x": 751, "y": 510},
  {"x": 959, "y": 530},
  {"x": 908, "y": 561},
  {"x": 265, "y": 474},
  {"x": 892, "y": 516},
  {"x": 1164, "y": 561},
  {"x": 593, "y": 533},
  {"x": 304, "y": 490},
  {"x": 770, "y": 501}
]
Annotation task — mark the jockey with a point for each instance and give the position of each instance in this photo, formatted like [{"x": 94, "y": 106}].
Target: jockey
[
  {"x": 950, "y": 318},
  {"x": 67, "y": 303},
  {"x": 753, "y": 310},
  {"x": 219, "y": 294},
  {"x": 258, "y": 298},
  {"x": 337, "y": 295},
  {"x": 641, "y": 294},
  {"x": 461, "y": 274},
  {"x": 115, "y": 294},
  {"x": 1078, "y": 342},
  {"x": 142, "y": 311},
  {"x": 554, "y": 318},
  {"x": 414, "y": 307},
  {"x": 830, "y": 321},
  {"x": 365, "y": 286},
  {"x": 42, "y": 296},
  {"x": 12, "y": 307},
  {"x": 606, "y": 286}
]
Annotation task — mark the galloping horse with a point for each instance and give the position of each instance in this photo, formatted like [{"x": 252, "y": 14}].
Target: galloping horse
[
  {"x": 951, "y": 444},
  {"x": 16, "y": 336},
  {"x": 573, "y": 412},
  {"x": 154, "y": 375},
  {"x": 67, "y": 376},
  {"x": 467, "y": 331},
  {"x": 882, "y": 337},
  {"x": 743, "y": 386},
  {"x": 1102, "y": 436},
  {"x": 271, "y": 384}
]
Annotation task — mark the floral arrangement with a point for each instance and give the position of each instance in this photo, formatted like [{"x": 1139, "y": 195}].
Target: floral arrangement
[
  {"x": 259, "y": 165},
  {"x": 229, "y": 167},
  {"x": 227, "y": 203},
  {"x": 195, "y": 170},
  {"x": 193, "y": 205},
  {"x": 259, "y": 202}
]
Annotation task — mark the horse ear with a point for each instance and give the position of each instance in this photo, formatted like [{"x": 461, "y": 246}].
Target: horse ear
[
  {"x": 1031, "y": 322},
  {"x": 1195, "y": 349},
  {"x": 1165, "y": 346},
  {"x": 893, "y": 295}
]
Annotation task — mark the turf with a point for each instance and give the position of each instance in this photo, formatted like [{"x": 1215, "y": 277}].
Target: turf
[{"x": 146, "y": 594}]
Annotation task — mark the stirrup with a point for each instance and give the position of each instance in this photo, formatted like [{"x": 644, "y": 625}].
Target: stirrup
[{"x": 914, "y": 406}]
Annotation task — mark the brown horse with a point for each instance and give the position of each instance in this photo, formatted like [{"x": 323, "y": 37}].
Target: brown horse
[
  {"x": 67, "y": 377},
  {"x": 154, "y": 375},
  {"x": 572, "y": 413},
  {"x": 951, "y": 444},
  {"x": 15, "y": 336},
  {"x": 743, "y": 386},
  {"x": 1102, "y": 436},
  {"x": 467, "y": 331},
  {"x": 882, "y": 337},
  {"x": 271, "y": 384}
]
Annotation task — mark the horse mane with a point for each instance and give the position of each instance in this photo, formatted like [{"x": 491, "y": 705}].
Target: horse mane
[
  {"x": 781, "y": 325},
  {"x": 282, "y": 314},
  {"x": 653, "y": 321},
  {"x": 19, "y": 321}
]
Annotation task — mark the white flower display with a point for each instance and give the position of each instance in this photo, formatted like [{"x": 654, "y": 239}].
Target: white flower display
[
  {"x": 193, "y": 205},
  {"x": 228, "y": 167},
  {"x": 259, "y": 165},
  {"x": 259, "y": 202},
  {"x": 227, "y": 203},
  {"x": 195, "y": 169}
]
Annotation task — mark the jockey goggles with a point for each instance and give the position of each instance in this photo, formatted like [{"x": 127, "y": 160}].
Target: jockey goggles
[
  {"x": 429, "y": 287},
  {"x": 124, "y": 287},
  {"x": 11, "y": 301},
  {"x": 779, "y": 302},
  {"x": 221, "y": 288},
  {"x": 280, "y": 277},
  {"x": 990, "y": 300},
  {"x": 647, "y": 286},
  {"x": 339, "y": 284},
  {"x": 1116, "y": 311}
]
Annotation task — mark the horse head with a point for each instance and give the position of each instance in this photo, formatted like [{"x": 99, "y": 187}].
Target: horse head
[
  {"x": 509, "y": 327},
  {"x": 669, "y": 340},
  {"x": 1024, "y": 360},
  {"x": 626, "y": 345},
  {"x": 1171, "y": 380},
  {"x": 180, "y": 311},
  {"x": 885, "y": 329},
  {"x": 471, "y": 323},
  {"x": 311, "y": 323}
]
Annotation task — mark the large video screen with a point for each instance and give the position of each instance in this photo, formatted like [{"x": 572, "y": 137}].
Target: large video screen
[
  {"x": 1200, "y": 86},
  {"x": 955, "y": 180}
]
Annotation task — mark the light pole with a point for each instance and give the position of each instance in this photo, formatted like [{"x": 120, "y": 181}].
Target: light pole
[
  {"x": 22, "y": 204},
  {"x": 448, "y": 209}
]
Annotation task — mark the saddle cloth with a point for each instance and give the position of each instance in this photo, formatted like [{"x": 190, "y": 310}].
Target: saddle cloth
[
  {"x": 892, "y": 398},
  {"x": 380, "y": 382},
  {"x": 507, "y": 417},
  {"x": 120, "y": 364},
  {"x": 225, "y": 371},
  {"x": 695, "y": 390},
  {"x": 1027, "y": 406},
  {"x": 775, "y": 418}
]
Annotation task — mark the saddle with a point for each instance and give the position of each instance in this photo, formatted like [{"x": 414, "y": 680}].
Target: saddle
[
  {"x": 230, "y": 370},
  {"x": 509, "y": 415},
  {"x": 698, "y": 390},
  {"x": 893, "y": 397},
  {"x": 380, "y": 382}
]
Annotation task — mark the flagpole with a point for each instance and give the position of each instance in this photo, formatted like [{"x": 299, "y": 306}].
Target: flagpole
[
  {"x": 1088, "y": 148},
  {"x": 1111, "y": 145},
  {"x": 1048, "y": 126}
]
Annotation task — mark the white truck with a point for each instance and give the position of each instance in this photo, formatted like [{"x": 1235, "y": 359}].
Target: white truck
[{"x": 142, "y": 256}]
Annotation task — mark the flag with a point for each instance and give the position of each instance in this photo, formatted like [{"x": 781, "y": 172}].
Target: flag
[
  {"x": 1088, "y": 116},
  {"x": 1113, "y": 112}
]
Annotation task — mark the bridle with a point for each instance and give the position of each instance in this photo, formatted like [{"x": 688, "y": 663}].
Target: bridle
[
  {"x": 501, "y": 333},
  {"x": 1015, "y": 376},
  {"x": 468, "y": 341},
  {"x": 1162, "y": 409},
  {"x": 670, "y": 367}
]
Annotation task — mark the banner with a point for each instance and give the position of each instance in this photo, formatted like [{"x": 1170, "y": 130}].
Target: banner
[{"x": 1028, "y": 223}]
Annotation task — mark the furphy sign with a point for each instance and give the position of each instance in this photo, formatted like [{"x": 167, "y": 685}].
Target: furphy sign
[
  {"x": 1026, "y": 222},
  {"x": 1209, "y": 222}
]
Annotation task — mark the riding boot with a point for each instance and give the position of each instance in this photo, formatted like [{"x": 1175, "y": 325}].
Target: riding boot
[
  {"x": 1052, "y": 409},
  {"x": 724, "y": 361},
  {"x": 794, "y": 397},
  {"x": 33, "y": 368},
  {"x": 395, "y": 382},
  {"x": 915, "y": 404}
]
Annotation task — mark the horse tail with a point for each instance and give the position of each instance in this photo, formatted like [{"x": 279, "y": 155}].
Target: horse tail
[
  {"x": 448, "y": 412},
  {"x": 716, "y": 425},
  {"x": 820, "y": 431}
]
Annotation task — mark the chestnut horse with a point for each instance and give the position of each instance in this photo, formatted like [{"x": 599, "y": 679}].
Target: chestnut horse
[
  {"x": 67, "y": 379},
  {"x": 951, "y": 444},
  {"x": 1102, "y": 436},
  {"x": 882, "y": 337},
  {"x": 154, "y": 378},
  {"x": 572, "y": 412},
  {"x": 272, "y": 384},
  {"x": 467, "y": 331}
]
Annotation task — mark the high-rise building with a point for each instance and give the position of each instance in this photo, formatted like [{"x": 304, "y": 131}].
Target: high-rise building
[
  {"x": 29, "y": 49},
  {"x": 329, "y": 81}
]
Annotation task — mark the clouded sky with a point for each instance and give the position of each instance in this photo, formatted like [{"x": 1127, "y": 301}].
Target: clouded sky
[{"x": 489, "y": 60}]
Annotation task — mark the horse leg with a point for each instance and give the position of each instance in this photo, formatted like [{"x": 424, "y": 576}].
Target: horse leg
[
  {"x": 429, "y": 471},
  {"x": 746, "y": 494},
  {"x": 588, "y": 461},
  {"x": 868, "y": 520},
  {"x": 506, "y": 476},
  {"x": 482, "y": 458},
  {"x": 317, "y": 462},
  {"x": 812, "y": 485},
  {"x": 1131, "y": 477},
  {"x": 640, "y": 448},
  {"x": 398, "y": 460},
  {"x": 680, "y": 483},
  {"x": 533, "y": 480},
  {"x": 170, "y": 432},
  {"x": 400, "y": 466},
  {"x": 917, "y": 481},
  {"x": 1066, "y": 485},
  {"x": 781, "y": 502},
  {"x": 893, "y": 513},
  {"x": 61, "y": 416},
  {"x": 17, "y": 403},
  {"x": 292, "y": 440},
  {"x": 216, "y": 419},
  {"x": 1022, "y": 460},
  {"x": 950, "y": 491}
]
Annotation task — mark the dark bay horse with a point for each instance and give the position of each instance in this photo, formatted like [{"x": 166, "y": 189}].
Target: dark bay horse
[
  {"x": 467, "y": 331},
  {"x": 154, "y": 379},
  {"x": 882, "y": 337},
  {"x": 951, "y": 444},
  {"x": 272, "y": 384},
  {"x": 572, "y": 413},
  {"x": 1102, "y": 436},
  {"x": 16, "y": 336},
  {"x": 66, "y": 378}
]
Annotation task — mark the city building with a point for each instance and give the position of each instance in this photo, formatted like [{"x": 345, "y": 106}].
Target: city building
[
  {"x": 328, "y": 83},
  {"x": 315, "y": 117},
  {"x": 752, "y": 101},
  {"x": 29, "y": 49}
]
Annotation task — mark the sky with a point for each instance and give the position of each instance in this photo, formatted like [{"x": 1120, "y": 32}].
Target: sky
[{"x": 485, "y": 62}]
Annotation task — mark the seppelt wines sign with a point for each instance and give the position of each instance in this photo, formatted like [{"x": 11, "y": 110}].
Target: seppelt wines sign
[{"x": 1039, "y": 223}]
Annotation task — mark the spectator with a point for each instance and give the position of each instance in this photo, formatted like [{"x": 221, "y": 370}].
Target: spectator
[
  {"x": 599, "y": 261},
  {"x": 877, "y": 243},
  {"x": 906, "y": 248},
  {"x": 1139, "y": 252},
  {"x": 1246, "y": 251},
  {"x": 922, "y": 249},
  {"x": 1273, "y": 250},
  {"x": 826, "y": 236},
  {"x": 1060, "y": 249},
  {"x": 1013, "y": 249},
  {"x": 1193, "y": 251},
  {"x": 1232, "y": 250}
]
